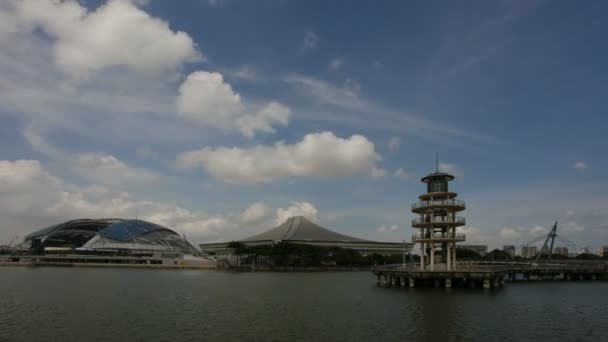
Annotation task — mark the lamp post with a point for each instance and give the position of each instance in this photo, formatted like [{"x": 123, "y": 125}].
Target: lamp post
[{"x": 404, "y": 248}]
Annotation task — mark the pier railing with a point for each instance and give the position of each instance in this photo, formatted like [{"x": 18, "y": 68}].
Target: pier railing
[{"x": 481, "y": 266}]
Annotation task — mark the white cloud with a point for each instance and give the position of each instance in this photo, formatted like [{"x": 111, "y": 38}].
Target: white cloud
[
  {"x": 116, "y": 34},
  {"x": 336, "y": 64},
  {"x": 387, "y": 229},
  {"x": 206, "y": 99},
  {"x": 273, "y": 113},
  {"x": 303, "y": 208},
  {"x": 394, "y": 143},
  {"x": 510, "y": 234},
  {"x": 95, "y": 166},
  {"x": 538, "y": 230},
  {"x": 401, "y": 173},
  {"x": 256, "y": 212},
  {"x": 109, "y": 170},
  {"x": 311, "y": 40},
  {"x": 580, "y": 165},
  {"x": 317, "y": 155},
  {"x": 326, "y": 93},
  {"x": 244, "y": 73},
  {"x": 38, "y": 199}
]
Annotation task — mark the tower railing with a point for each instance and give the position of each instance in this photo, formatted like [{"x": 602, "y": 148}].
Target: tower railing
[
  {"x": 439, "y": 237},
  {"x": 457, "y": 219},
  {"x": 439, "y": 203}
]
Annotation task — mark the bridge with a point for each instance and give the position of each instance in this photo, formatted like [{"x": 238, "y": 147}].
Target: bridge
[{"x": 488, "y": 274}]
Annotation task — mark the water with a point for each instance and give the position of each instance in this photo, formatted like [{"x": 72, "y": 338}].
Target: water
[{"x": 87, "y": 304}]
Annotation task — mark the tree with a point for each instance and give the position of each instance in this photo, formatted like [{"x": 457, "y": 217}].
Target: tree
[
  {"x": 498, "y": 255},
  {"x": 237, "y": 247}
]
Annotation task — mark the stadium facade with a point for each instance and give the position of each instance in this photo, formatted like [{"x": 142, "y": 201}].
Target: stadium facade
[
  {"x": 110, "y": 234},
  {"x": 300, "y": 230}
]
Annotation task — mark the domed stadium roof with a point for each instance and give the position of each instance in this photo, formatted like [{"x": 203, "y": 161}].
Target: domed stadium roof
[
  {"x": 299, "y": 228},
  {"x": 110, "y": 233}
]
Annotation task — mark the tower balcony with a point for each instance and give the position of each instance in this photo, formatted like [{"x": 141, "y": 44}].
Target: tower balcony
[
  {"x": 437, "y": 194},
  {"x": 439, "y": 237},
  {"x": 452, "y": 204},
  {"x": 458, "y": 221}
]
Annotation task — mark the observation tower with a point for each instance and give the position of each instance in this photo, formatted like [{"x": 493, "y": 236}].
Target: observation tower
[{"x": 437, "y": 223}]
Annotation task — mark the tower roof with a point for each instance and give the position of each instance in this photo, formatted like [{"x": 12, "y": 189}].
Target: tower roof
[
  {"x": 299, "y": 228},
  {"x": 437, "y": 176}
]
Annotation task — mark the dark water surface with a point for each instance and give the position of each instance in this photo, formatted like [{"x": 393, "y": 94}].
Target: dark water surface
[{"x": 87, "y": 304}]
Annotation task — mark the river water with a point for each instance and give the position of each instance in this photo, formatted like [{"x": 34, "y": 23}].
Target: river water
[{"x": 88, "y": 304}]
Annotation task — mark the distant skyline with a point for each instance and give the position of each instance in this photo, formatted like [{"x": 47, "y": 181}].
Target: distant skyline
[{"x": 221, "y": 118}]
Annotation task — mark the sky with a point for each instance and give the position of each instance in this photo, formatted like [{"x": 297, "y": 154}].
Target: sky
[{"x": 220, "y": 119}]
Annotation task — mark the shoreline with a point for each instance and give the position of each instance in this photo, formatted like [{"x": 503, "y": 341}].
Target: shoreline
[{"x": 262, "y": 268}]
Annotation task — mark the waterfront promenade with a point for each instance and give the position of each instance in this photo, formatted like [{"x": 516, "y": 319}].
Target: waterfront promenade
[{"x": 487, "y": 274}]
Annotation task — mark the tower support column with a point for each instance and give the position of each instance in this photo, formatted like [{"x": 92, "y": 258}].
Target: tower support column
[
  {"x": 449, "y": 259},
  {"x": 432, "y": 256},
  {"x": 422, "y": 256}
]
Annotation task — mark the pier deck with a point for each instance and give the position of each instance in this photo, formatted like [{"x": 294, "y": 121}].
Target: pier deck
[{"x": 485, "y": 275}]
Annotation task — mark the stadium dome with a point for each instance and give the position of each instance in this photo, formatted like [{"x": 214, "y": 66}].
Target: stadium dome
[{"x": 107, "y": 234}]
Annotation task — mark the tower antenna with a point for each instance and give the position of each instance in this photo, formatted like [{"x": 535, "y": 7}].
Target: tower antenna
[{"x": 436, "y": 162}]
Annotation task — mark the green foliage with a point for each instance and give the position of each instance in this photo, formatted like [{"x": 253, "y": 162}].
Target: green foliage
[
  {"x": 237, "y": 247},
  {"x": 497, "y": 254},
  {"x": 467, "y": 254},
  {"x": 587, "y": 256},
  {"x": 293, "y": 254}
]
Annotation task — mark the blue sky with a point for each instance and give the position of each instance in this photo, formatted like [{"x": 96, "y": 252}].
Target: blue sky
[{"x": 221, "y": 118}]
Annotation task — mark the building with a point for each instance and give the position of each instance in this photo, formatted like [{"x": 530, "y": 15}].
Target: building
[
  {"x": 561, "y": 251},
  {"x": 300, "y": 230},
  {"x": 437, "y": 223},
  {"x": 528, "y": 251},
  {"x": 509, "y": 249},
  {"x": 105, "y": 236}
]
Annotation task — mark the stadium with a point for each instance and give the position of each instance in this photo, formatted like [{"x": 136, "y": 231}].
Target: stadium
[{"x": 109, "y": 237}]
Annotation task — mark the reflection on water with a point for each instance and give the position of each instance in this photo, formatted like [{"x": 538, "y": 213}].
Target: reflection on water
[{"x": 75, "y": 304}]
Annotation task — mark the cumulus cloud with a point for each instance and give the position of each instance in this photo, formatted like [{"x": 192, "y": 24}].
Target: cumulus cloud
[
  {"x": 205, "y": 98},
  {"x": 117, "y": 33},
  {"x": 96, "y": 166},
  {"x": 273, "y": 113},
  {"x": 317, "y": 155},
  {"x": 580, "y": 165},
  {"x": 387, "y": 229},
  {"x": 510, "y": 234},
  {"x": 303, "y": 208},
  {"x": 39, "y": 198},
  {"x": 256, "y": 212}
]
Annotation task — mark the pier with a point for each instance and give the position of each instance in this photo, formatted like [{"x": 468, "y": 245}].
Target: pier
[{"x": 486, "y": 275}]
